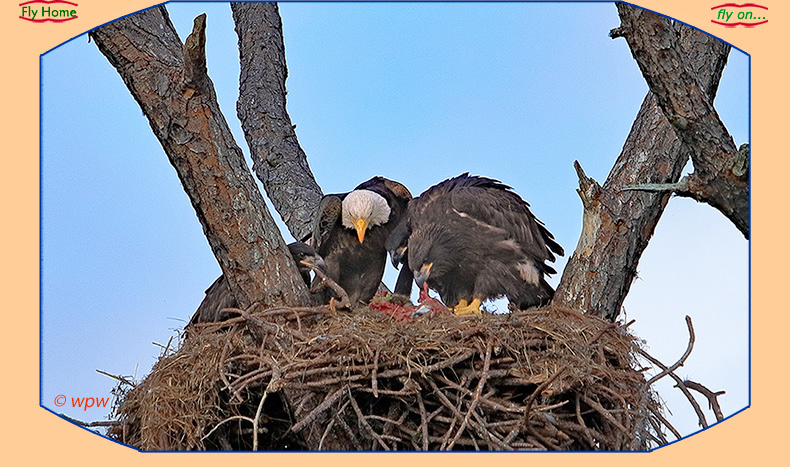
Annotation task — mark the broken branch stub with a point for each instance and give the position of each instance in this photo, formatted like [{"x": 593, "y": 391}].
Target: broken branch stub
[{"x": 618, "y": 222}]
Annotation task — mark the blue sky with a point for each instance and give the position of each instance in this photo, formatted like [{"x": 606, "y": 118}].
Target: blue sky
[{"x": 416, "y": 92}]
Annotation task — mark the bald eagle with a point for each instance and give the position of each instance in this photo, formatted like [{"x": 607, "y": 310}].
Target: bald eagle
[
  {"x": 218, "y": 295},
  {"x": 473, "y": 239},
  {"x": 350, "y": 231}
]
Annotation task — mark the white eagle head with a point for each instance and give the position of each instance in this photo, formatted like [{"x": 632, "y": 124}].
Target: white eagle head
[{"x": 364, "y": 209}]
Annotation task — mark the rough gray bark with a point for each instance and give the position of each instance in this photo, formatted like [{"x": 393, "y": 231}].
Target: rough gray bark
[
  {"x": 618, "y": 224},
  {"x": 721, "y": 175},
  {"x": 170, "y": 84},
  {"x": 278, "y": 159}
]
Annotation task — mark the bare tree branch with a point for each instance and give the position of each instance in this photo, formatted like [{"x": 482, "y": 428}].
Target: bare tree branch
[
  {"x": 170, "y": 84},
  {"x": 713, "y": 401},
  {"x": 720, "y": 176},
  {"x": 682, "y": 360},
  {"x": 679, "y": 383},
  {"x": 325, "y": 281},
  {"x": 278, "y": 159},
  {"x": 619, "y": 223}
]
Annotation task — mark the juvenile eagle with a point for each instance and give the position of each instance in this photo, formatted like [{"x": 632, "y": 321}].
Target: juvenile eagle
[
  {"x": 473, "y": 239},
  {"x": 218, "y": 295},
  {"x": 350, "y": 231}
]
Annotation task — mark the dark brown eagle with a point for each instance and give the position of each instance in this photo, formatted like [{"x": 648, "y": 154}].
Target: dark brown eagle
[
  {"x": 473, "y": 239},
  {"x": 350, "y": 231},
  {"x": 218, "y": 295}
]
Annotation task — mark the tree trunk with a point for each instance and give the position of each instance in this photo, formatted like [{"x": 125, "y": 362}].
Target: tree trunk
[
  {"x": 278, "y": 159},
  {"x": 721, "y": 174},
  {"x": 170, "y": 84},
  {"x": 618, "y": 224}
]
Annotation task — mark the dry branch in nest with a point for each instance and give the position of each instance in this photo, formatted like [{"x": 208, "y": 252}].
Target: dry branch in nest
[{"x": 314, "y": 379}]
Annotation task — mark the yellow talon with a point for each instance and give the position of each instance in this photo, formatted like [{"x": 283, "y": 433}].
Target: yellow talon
[{"x": 462, "y": 309}]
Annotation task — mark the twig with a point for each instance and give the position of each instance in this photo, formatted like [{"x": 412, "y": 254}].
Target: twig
[
  {"x": 682, "y": 359},
  {"x": 331, "y": 424},
  {"x": 117, "y": 377},
  {"x": 476, "y": 398},
  {"x": 657, "y": 428},
  {"x": 91, "y": 424},
  {"x": 328, "y": 400},
  {"x": 543, "y": 440},
  {"x": 352, "y": 377},
  {"x": 324, "y": 282},
  {"x": 349, "y": 431},
  {"x": 245, "y": 380},
  {"x": 485, "y": 400},
  {"x": 599, "y": 408},
  {"x": 364, "y": 422},
  {"x": 374, "y": 382},
  {"x": 423, "y": 422},
  {"x": 446, "y": 363},
  {"x": 488, "y": 435},
  {"x": 235, "y": 417},
  {"x": 604, "y": 329},
  {"x": 594, "y": 438},
  {"x": 326, "y": 432},
  {"x": 164, "y": 348},
  {"x": 383, "y": 419},
  {"x": 389, "y": 392},
  {"x": 271, "y": 387},
  {"x": 453, "y": 410},
  {"x": 478, "y": 424},
  {"x": 680, "y": 385},
  {"x": 298, "y": 321},
  {"x": 538, "y": 390},
  {"x": 623, "y": 404},
  {"x": 713, "y": 402},
  {"x": 680, "y": 187},
  {"x": 391, "y": 425},
  {"x": 666, "y": 423},
  {"x": 579, "y": 419}
]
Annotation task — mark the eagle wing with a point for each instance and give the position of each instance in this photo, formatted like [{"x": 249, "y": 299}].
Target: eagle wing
[
  {"x": 499, "y": 209},
  {"x": 327, "y": 215},
  {"x": 381, "y": 185},
  {"x": 218, "y": 297}
]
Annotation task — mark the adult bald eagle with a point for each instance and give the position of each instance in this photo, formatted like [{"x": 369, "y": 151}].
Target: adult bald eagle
[
  {"x": 472, "y": 239},
  {"x": 350, "y": 231},
  {"x": 218, "y": 295}
]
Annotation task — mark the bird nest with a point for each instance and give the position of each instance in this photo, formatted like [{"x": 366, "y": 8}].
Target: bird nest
[{"x": 316, "y": 379}]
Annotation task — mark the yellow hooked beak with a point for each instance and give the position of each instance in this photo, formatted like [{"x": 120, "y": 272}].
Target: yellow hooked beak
[
  {"x": 361, "y": 227},
  {"x": 426, "y": 269},
  {"x": 421, "y": 276}
]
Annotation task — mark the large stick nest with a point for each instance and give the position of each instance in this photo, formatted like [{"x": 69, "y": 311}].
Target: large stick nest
[{"x": 311, "y": 378}]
